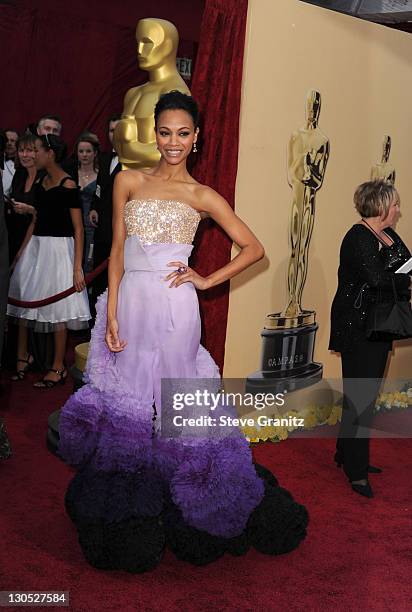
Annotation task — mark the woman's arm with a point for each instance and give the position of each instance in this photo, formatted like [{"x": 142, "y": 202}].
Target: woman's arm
[
  {"x": 78, "y": 276},
  {"x": 251, "y": 249},
  {"x": 75, "y": 206},
  {"x": 116, "y": 262}
]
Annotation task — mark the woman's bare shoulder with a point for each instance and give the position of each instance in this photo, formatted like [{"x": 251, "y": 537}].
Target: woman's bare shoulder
[{"x": 207, "y": 195}]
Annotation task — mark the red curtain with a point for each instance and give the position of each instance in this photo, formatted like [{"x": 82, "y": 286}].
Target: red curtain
[
  {"x": 216, "y": 86},
  {"x": 78, "y": 59}
]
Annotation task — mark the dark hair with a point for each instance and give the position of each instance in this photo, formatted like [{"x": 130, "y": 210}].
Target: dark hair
[
  {"x": 115, "y": 117},
  {"x": 11, "y": 130},
  {"x": 176, "y": 100},
  {"x": 54, "y": 143},
  {"x": 26, "y": 139},
  {"x": 31, "y": 128},
  {"x": 90, "y": 138}
]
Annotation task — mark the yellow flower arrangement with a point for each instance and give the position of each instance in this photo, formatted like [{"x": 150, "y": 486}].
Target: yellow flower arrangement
[{"x": 323, "y": 415}]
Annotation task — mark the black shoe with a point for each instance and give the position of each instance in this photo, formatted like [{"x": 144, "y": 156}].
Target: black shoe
[
  {"x": 371, "y": 468},
  {"x": 21, "y": 373},
  {"x": 45, "y": 383},
  {"x": 364, "y": 490}
]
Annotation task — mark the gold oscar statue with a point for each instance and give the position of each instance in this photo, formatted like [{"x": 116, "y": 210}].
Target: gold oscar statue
[
  {"x": 134, "y": 136},
  {"x": 308, "y": 154},
  {"x": 289, "y": 336},
  {"x": 384, "y": 170}
]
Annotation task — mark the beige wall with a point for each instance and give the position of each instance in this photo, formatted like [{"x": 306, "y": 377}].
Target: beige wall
[{"x": 364, "y": 73}]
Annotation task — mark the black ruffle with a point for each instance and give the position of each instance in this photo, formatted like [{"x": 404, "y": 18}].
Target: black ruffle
[{"x": 136, "y": 543}]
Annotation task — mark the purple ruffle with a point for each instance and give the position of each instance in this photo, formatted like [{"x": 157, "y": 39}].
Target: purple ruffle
[
  {"x": 216, "y": 486},
  {"x": 106, "y": 427}
]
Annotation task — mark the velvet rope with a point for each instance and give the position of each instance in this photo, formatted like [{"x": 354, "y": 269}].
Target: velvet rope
[{"x": 63, "y": 294}]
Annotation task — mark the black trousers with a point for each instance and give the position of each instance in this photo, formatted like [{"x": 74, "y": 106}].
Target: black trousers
[{"x": 362, "y": 372}]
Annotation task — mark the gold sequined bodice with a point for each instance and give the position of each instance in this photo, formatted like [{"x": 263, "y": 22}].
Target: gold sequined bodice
[{"x": 166, "y": 221}]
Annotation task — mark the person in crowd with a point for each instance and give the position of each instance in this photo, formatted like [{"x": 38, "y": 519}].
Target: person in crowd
[
  {"x": 9, "y": 158},
  {"x": 31, "y": 128},
  {"x": 52, "y": 124},
  {"x": 49, "y": 124},
  {"x": 101, "y": 209},
  {"x": 20, "y": 209},
  {"x": 51, "y": 262},
  {"x": 5, "y": 447},
  {"x": 87, "y": 154},
  {"x": 370, "y": 254}
]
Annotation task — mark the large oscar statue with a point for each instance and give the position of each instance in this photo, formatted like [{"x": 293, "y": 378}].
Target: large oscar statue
[
  {"x": 384, "y": 170},
  {"x": 134, "y": 137},
  {"x": 289, "y": 336}
]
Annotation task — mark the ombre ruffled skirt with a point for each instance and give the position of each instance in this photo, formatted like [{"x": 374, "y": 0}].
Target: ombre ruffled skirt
[{"x": 137, "y": 490}]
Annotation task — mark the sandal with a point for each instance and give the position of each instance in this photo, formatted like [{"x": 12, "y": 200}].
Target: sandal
[
  {"x": 45, "y": 383},
  {"x": 21, "y": 374}
]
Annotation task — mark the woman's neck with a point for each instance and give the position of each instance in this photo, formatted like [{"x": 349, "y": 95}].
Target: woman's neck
[
  {"x": 86, "y": 168},
  {"x": 375, "y": 223},
  {"x": 54, "y": 172},
  {"x": 169, "y": 172}
]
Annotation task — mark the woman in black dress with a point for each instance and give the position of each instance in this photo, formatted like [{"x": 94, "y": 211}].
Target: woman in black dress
[
  {"x": 51, "y": 261},
  {"x": 370, "y": 254},
  {"x": 20, "y": 210}
]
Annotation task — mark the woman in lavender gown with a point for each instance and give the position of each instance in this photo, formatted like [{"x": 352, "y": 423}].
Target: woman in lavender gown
[{"x": 138, "y": 489}]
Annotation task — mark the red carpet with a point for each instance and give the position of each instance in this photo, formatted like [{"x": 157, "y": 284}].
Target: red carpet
[{"x": 357, "y": 555}]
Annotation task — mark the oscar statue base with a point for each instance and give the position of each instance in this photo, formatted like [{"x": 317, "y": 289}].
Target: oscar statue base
[{"x": 287, "y": 357}]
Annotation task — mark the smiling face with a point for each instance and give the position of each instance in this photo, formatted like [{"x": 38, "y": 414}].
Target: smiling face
[
  {"x": 175, "y": 135},
  {"x": 85, "y": 153},
  {"x": 26, "y": 155}
]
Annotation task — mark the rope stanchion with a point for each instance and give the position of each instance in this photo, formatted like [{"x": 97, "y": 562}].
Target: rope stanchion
[{"x": 63, "y": 294}]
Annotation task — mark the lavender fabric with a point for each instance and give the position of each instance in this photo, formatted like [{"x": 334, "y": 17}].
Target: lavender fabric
[{"x": 107, "y": 425}]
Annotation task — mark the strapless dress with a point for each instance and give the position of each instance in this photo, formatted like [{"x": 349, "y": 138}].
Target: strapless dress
[{"x": 139, "y": 485}]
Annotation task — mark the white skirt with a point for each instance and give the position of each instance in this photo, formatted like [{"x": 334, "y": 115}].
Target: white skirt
[{"x": 44, "y": 269}]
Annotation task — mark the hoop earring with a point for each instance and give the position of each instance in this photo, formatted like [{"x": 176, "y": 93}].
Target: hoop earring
[{"x": 194, "y": 148}]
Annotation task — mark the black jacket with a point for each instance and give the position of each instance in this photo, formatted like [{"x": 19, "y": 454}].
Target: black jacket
[
  {"x": 102, "y": 199},
  {"x": 363, "y": 270}
]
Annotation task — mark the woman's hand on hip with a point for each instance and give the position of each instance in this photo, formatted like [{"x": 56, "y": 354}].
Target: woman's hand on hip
[
  {"x": 112, "y": 337},
  {"x": 184, "y": 274}
]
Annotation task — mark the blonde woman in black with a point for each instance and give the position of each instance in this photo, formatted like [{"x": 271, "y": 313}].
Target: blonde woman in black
[{"x": 370, "y": 253}]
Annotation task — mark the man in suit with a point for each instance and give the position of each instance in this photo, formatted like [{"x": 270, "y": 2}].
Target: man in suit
[
  {"x": 9, "y": 155},
  {"x": 101, "y": 210}
]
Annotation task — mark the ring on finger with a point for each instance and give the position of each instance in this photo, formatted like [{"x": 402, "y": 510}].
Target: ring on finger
[{"x": 182, "y": 270}]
